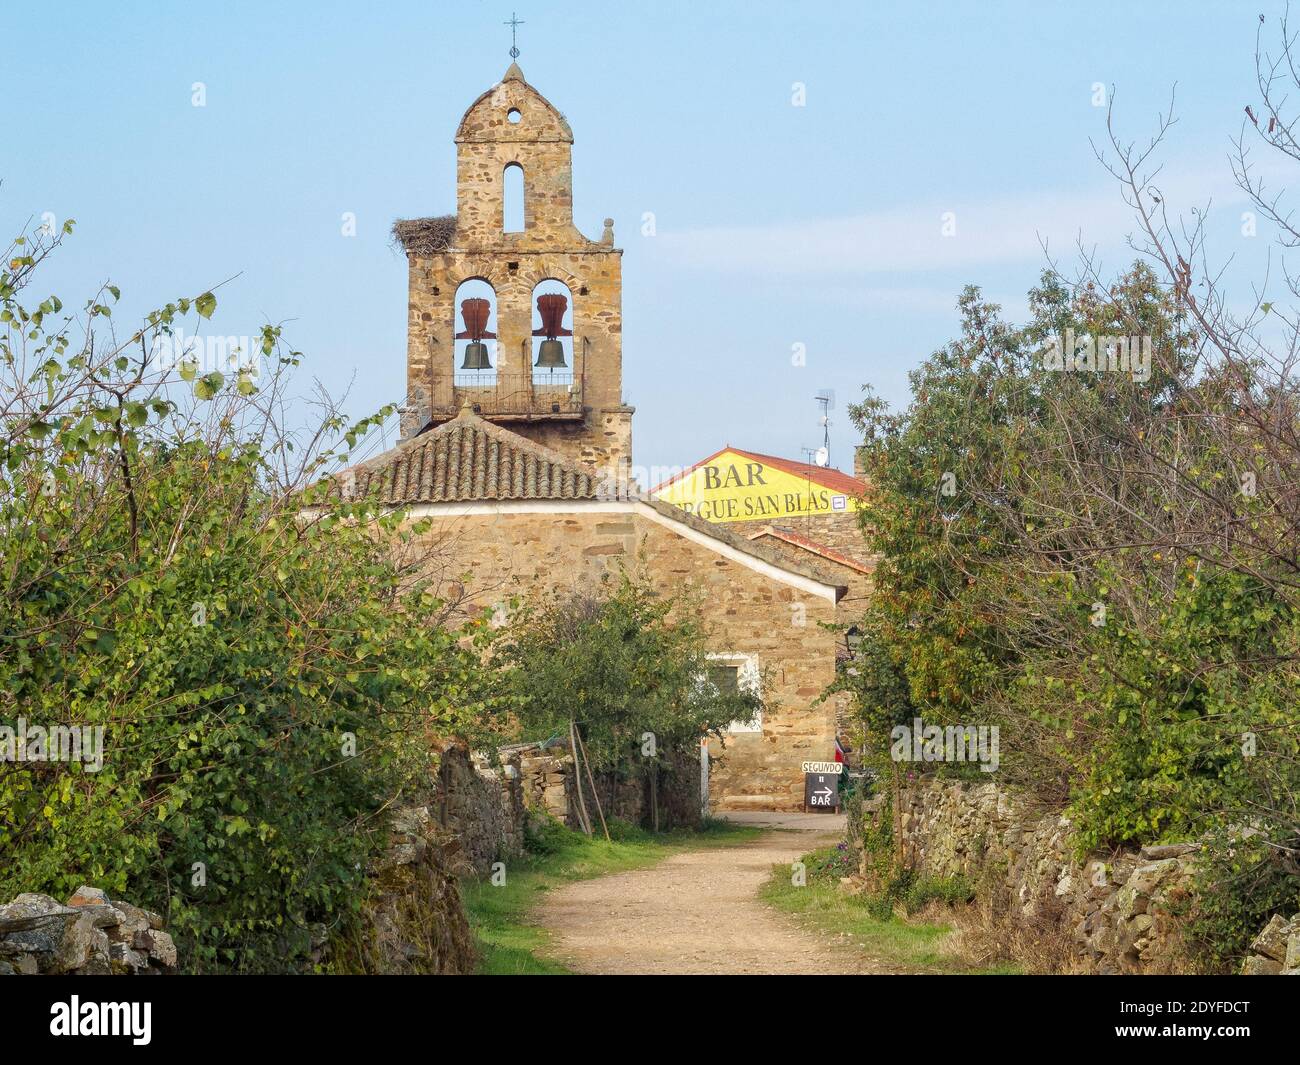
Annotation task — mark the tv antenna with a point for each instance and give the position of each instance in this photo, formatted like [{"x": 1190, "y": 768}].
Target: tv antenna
[{"x": 826, "y": 398}]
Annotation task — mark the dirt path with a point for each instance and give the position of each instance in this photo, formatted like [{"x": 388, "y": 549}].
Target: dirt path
[{"x": 698, "y": 912}]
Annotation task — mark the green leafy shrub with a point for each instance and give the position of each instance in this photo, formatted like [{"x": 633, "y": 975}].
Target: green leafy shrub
[
  {"x": 879, "y": 856},
  {"x": 1099, "y": 565},
  {"x": 1239, "y": 884},
  {"x": 625, "y": 666},
  {"x": 265, "y": 673},
  {"x": 543, "y": 834},
  {"x": 622, "y": 831},
  {"x": 881, "y": 901},
  {"x": 830, "y": 863}
]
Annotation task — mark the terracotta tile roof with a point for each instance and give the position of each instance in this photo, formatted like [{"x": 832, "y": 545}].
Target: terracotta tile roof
[
  {"x": 789, "y": 536},
  {"x": 835, "y": 480},
  {"x": 469, "y": 459}
]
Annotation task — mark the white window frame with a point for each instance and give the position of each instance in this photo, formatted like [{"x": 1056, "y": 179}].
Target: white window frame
[{"x": 747, "y": 680}]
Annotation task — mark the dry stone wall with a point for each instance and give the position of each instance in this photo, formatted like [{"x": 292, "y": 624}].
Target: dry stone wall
[
  {"x": 481, "y": 806},
  {"x": 1276, "y": 950},
  {"x": 412, "y": 922},
  {"x": 550, "y": 783},
  {"x": 90, "y": 935},
  {"x": 412, "y": 919},
  {"x": 547, "y": 782},
  {"x": 1119, "y": 913}
]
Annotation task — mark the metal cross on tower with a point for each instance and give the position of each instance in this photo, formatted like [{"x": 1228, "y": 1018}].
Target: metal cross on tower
[{"x": 514, "y": 23}]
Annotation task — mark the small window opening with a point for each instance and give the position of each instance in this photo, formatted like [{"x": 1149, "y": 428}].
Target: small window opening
[{"x": 513, "y": 199}]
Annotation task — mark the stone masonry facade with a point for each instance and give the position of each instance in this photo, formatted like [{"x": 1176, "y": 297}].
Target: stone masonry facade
[
  {"x": 845, "y": 539},
  {"x": 840, "y": 531},
  {"x": 550, "y": 555}
]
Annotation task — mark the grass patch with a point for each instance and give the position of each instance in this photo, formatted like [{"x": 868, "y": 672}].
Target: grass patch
[
  {"x": 905, "y": 945},
  {"x": 509, "y": 941}
]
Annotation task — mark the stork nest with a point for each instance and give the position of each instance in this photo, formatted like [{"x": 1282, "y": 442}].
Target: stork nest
[{"x": 425, "y": 236}]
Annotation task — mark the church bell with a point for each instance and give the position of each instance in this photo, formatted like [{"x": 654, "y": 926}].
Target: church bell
[
  {"x": 475, "y": 313},
  {"x": 550, "y": 356},
  {"x": 476, "y": 356}
]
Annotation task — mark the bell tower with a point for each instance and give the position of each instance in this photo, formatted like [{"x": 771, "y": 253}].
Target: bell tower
[{"x": 513, "y": 311}]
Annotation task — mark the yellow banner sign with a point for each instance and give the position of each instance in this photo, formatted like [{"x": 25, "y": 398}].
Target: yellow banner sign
[{"x": 734, "y": 486}]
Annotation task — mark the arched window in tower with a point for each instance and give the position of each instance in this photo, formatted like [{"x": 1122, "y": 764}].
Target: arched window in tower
[
  {"x": 512, "y": 199},
  {"x": 475, "y": 352},
  {"x": 553, "y": 363}
]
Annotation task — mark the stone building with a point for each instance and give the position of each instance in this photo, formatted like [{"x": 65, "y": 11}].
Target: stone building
[{"x": 517, "y": 454}]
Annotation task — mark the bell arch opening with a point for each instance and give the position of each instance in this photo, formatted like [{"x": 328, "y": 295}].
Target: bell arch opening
[
  {"x": 553, "y": 352},
  {"x": 475, "y": 355}
]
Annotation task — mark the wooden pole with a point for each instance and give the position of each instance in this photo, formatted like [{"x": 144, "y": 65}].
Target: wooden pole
[
  {"x": 594, "y": 794},
  {"x": 898, "y": 814},
  {"x": 583, "y": 819},
  {"x": 654, "y": 794},
  {"x": 704, "y": 778}
]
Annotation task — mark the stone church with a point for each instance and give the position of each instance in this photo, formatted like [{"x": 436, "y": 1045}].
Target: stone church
[{"x": 516, "y": 442}]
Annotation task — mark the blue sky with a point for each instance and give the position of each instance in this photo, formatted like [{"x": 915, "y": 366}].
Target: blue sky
[{"x": 775, "y": 225}]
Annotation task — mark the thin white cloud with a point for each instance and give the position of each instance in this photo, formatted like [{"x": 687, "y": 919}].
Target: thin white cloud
[{"x": 1003, "y": 230}]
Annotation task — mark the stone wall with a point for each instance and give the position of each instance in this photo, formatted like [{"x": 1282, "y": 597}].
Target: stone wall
[
  {"x": 679, "y": 792},
  {"x": 481, "y": 806},
  {"x": 603, "y": 438},
  {"x": 91, "y": 935},
  {"x": 550, "y": 784},
  {"x": 860, "y": 585},
  {"x": 546, "y": 775},
  {"x": 839, "y": 531},
  {"x": 1117, "y": 913},
  {"x": 412, "y": 921},
  {"x": 484, "y": 807},
  {"x": 1276, "y": 950}
]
